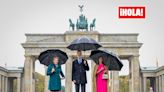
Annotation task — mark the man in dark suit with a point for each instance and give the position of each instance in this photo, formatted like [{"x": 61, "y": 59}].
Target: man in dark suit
[{"x": 79, "y": 68}]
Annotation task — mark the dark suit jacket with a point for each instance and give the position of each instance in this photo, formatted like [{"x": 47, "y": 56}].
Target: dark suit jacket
[{"x": 79, "y": 72}]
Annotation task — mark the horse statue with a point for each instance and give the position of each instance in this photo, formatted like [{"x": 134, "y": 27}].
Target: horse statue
[
  {"x": 82, "y": 23},
  {"x": 71, "y": 24},
  {"x": 92, "y": 25}
]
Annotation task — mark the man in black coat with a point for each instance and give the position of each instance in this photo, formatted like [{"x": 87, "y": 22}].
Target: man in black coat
[{"x": 79, "y": 68}]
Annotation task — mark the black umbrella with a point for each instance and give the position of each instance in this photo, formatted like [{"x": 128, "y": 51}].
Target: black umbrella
[
  {"x": 84, "y": 43},
  {"x": 46, "y": 57},
  {"x": 110, "y": 59}
]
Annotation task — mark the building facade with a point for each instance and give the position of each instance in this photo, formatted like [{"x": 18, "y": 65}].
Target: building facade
[
  {"x": 7, "y": 77},
  {"x": 155, "y": 76}
]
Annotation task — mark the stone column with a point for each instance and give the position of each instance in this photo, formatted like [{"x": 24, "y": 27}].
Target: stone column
[
  {"x": 156, "y": 84},
  {"x": 68, "y": 74},
  {"x": 18, "y": 84},
  {"x": 6, "y": 84},
  {"x": 115, "y": 81},
  {"x": 3, "y": 83},
  {"x": 160, "y": 84},
  {"x": 144, "y": 84},
  {"x": 10, "y": 84},
  {"x": 22, "y": 84},
  {"x": 0, "y": 83},
  {"x": 130, "y": 76},
  {"x": 28, "y": 73},
  {"x": 46, "y": 80},
  {"x": 141, "y": 78},
  {"x": 33, "y": 77},
  {"x": 92, "y": 69},
  {"x": 135, "y": 74}
]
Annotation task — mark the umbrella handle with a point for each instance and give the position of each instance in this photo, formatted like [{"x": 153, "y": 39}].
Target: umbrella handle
[{"x": 84, "y": 54}]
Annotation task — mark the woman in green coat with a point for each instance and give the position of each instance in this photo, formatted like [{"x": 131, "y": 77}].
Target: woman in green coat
[{"x": 54, "y": 71}]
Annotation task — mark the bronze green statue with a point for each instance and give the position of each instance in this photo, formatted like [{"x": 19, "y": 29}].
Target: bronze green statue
[
  {"x": 82, "y": 22},
  {"x": 92, "y": 25},
  {"x": 71, "y": 24}
]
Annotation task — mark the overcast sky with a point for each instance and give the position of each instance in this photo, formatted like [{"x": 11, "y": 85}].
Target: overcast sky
[{"x": 18, "y": 17}]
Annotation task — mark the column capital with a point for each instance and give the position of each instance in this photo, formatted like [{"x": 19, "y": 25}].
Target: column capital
[
  {"x": 18, "y": 77},
  {"x": 30, "y": 56},
  {"x": 133, "y": 57}
]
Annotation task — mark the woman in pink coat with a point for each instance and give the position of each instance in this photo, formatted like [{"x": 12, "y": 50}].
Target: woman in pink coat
[{"x": 100, "y": 83}]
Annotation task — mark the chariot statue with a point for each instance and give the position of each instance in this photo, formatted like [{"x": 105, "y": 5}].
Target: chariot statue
[{"x": 82, "y": 22}]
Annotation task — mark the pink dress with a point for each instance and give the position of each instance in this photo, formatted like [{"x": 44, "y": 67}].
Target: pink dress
[{"x": 101, "y": 84}]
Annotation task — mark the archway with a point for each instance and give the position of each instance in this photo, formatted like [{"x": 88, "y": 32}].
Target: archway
[{"x": 125, "y": 46}]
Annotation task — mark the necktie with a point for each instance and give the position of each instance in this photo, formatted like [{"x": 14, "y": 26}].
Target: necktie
[{"x": 79, "y": 60}]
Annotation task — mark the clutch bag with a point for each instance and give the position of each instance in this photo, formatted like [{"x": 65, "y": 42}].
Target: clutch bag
[{"x": 105, "y": 76}]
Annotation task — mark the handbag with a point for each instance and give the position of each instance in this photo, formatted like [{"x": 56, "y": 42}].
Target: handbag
[{"x": 105, "y": 76}]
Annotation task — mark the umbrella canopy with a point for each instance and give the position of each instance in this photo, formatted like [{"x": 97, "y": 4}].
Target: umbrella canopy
[
  {"x": 47, "y": 56},
  {"x": 110, "y": 59},
  {"x": 84, "y": 43}
]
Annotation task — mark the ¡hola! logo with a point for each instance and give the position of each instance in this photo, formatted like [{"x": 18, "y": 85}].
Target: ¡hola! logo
[{"x": 131, "y": 12}]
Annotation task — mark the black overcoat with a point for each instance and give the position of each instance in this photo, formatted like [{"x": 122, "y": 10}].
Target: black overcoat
[{"x": 79, "y": 72}]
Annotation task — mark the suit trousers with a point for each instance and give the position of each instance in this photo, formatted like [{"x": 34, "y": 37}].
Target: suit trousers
[{"x": 77, "y": 87}]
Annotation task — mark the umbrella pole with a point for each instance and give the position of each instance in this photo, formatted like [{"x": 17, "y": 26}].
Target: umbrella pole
[{"x": 84, "y": 55}]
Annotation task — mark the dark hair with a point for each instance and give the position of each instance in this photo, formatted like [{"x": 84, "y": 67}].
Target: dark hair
[
  {"x": 102, "y": 59},
  {"x": 55, "y": 56},
  {"x": 78, "y": 50}
]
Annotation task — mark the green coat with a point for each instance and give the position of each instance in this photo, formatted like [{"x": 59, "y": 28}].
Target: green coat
[{"x": 55, "y": 80}]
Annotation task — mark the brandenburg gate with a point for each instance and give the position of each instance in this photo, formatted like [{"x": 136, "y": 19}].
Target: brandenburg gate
[{"x": 125, "y": 46}]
